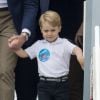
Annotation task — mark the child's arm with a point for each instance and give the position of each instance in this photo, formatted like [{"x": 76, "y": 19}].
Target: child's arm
[
  {"x": 21, "y": 53},
  {"x": 78, "y": 52}
]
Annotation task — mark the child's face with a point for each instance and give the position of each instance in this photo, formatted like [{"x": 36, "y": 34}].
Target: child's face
[{"x": 49, "y": 32}]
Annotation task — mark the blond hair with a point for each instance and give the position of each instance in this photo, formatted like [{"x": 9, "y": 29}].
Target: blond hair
[{"x": 52, "y": 17}]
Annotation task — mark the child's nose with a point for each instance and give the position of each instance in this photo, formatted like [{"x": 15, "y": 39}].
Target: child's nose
[{"x": 49, "y": 32}]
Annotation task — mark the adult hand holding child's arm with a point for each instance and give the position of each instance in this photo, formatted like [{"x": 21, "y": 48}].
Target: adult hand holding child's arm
[{"x": 15, "y": 41}]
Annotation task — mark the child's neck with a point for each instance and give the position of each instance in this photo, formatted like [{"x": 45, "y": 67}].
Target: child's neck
[{"x": 53, "y": 40}]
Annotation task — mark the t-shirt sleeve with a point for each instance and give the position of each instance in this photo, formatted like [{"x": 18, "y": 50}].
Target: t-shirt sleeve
[
  {"x": 69, "y": 46},
  {"x": 31, "y": 51}
]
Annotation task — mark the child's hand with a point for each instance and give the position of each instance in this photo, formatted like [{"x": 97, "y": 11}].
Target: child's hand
[
  {"x": 16, "y": 41},
  {"x": 12, "y": 42}
]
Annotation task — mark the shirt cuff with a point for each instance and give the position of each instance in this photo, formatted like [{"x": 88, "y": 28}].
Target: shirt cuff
[{"x": 26, "y": 31}]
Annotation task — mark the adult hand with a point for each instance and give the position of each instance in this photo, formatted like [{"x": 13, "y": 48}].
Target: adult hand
[
  {"x": 16, "y": 41},
  {"x": 79, "y": 37},
  {"x": 79, "y": 40}
]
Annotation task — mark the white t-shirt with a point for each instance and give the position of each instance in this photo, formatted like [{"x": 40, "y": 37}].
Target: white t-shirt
[
  {"x": 53, "y": 58},
  {"x": 3, "y": 3}
]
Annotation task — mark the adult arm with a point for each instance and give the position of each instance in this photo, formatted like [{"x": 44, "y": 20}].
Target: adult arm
[
  {"x": 29, "y": 14},
  {"x": 30, "y": 9}
]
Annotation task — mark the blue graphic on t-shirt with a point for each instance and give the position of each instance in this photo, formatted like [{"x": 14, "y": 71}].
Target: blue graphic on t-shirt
[{"x": 44, "y": 55}]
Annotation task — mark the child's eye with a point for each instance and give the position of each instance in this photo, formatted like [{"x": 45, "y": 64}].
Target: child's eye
[
  {"x": 53, "y": 30},
  {"x": 46, "y": 31}
]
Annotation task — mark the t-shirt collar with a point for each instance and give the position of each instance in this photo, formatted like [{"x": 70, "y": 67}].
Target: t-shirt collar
[{"x": 58, "y": 40}]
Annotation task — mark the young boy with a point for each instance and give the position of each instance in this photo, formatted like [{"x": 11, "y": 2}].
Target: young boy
[{"x": 53, "y": 56}]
